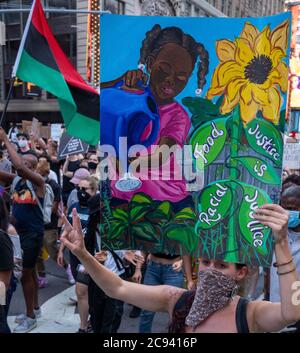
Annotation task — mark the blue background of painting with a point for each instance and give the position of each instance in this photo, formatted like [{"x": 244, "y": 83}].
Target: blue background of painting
[{"x": 121, "y": 38}]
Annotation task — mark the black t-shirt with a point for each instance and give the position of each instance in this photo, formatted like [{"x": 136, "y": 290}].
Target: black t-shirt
[
  {"x": 55, "y": 166},
  {"x": 30, "y": 151},
  {"x": 166, "y": 256},
  {"x": 26, "y": 210},
  {"x": 6, "y": 253},
  {"x": 57, "y": 198},
  {"x": 72, "y": 167}
]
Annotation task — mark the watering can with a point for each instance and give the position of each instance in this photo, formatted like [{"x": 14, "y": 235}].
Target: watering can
[{"x": 127, "y": 113}]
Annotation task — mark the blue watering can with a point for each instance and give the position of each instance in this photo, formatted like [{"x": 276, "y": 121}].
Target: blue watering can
[{"x": 126, "y": 113}]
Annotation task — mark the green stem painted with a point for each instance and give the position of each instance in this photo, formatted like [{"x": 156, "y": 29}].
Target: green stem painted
[{"x": 231, "y": 245}]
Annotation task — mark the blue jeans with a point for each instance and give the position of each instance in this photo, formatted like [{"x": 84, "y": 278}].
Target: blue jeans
[{"x": 158, "y": 274}]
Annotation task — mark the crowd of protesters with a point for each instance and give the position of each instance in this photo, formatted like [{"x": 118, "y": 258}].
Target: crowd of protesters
[{"x": 41, "y": 196}]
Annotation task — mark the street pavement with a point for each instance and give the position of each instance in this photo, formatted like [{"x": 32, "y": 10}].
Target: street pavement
[{"x": 59, "y": 314}]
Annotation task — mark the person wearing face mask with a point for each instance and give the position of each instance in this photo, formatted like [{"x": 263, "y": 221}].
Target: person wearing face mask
[
  {"x": 214, "y": 306},
  {"x": 85, "y": 190},
  {"x": 28, "y": 191},
  {"x": 290, "y": 200},
  {"x": 93, "y": 163},
  {"x": 80, "y": 174},
  {"x": 23, "y": 144}
]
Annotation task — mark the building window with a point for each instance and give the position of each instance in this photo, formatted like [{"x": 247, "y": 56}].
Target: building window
[
  {"x": 188, "y": 8},
  {"x": 114, "y": 6},
  {"x": 196, "y": 11},
  {"x": 223, "y": 6},
  {"x": 229, "y": 8},
  {"x": 237, "y": 11}
]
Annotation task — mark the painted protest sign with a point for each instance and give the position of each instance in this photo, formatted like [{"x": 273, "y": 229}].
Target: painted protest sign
[
  {"x": 70, "y": 145},
  {"x": 220, "y": 99}
]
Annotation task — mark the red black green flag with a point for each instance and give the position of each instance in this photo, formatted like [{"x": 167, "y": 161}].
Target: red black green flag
[{"x": 41, "y": 61}]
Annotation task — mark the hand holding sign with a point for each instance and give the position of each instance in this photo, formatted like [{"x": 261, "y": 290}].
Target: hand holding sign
[{"x": 275, "y": 217}]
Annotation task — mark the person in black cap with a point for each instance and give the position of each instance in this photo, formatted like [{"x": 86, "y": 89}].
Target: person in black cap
[{"x": 23, "y": 144}]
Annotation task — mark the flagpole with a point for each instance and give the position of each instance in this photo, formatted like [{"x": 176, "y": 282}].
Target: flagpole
[
  {"x": 21, "y": 47},
  {"x": 15, "y": 68},
  {"x": 11, "y": 86}
]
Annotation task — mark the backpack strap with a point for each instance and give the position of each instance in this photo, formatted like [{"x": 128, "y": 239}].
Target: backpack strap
[
  {"x": 30, "y": 186},
  {"x": 14, "y": 183},
  {"x": 118, "y": 260}
]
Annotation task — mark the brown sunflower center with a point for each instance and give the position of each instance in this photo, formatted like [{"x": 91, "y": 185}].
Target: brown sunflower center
[{"x": 258, "y": 69}]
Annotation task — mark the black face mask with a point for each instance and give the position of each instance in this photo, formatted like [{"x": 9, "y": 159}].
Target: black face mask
[
  {"x": 83, "y": 198},
  {"x": 92, "y": 165}
]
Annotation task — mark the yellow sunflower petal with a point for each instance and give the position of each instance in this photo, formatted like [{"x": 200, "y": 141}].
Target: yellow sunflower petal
[
  {"x": 249, "y": 32},
  {"x": 279, "y": 36},
  {"x": 262, "y": 45},
  {"x": 232, "y": 95},
  {"x": 223, "y": 74},
  {"x": 260, "y": 96},
  {"x": 244, "y": 53},
  {"x": 271, "y": 111},
  {"x": 276, "y": 56},
  {"x": 225, "y": 50},
  {"x": 274, "y": 74},
  {"x": 246, "y": 94},
  {"x": 248, "y": 111},
  {"x": 214, "y": 91},
  {"x": 282, "y": 78}
]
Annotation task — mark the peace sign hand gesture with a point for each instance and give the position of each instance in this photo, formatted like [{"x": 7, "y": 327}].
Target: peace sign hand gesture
[{"x": 72, "y": 236}]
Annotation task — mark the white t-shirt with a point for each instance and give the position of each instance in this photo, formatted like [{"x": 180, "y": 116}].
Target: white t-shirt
[
  {"x": 110, "y": 262},
  {"x": 53, "y": 176}
]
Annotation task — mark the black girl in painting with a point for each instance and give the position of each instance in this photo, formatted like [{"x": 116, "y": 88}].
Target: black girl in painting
[{"x": 168, "y": 56}]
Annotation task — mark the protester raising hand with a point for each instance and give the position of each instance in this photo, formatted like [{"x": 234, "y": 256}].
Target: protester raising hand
[
  {"x": 275, "y": 217},
  {"x": 72, "y": 236}
]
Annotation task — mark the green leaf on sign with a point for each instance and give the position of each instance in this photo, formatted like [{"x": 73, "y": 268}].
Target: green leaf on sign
[
  {"x": 144, "y": 231},
  {"x": 165, "y": 208},
  {"x": 120, "y": 214},
  {"x": 186, "y": 214},
  {"x": 116, "y": 230},
  {"x": 261, "y": 170},
  {"x": 215, "y": 202},
  {"x": 251, "y": 230},
  {"x": 141, "y": 198},
  {"x": 265, "y": 139},
  {"x": 185, "y": 234},
  {"x": 208, "y": 141},
  {"x": 138, "y": 212},
  {"x": 198, "y": 106}
]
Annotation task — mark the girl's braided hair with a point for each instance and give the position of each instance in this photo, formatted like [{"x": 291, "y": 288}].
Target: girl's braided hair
[{"x": 157, "y": 37}]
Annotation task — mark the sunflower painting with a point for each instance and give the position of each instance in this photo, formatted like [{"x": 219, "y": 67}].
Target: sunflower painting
[
  {"x": 242, "y": 145},
  {"x": 252, "y": 73}
]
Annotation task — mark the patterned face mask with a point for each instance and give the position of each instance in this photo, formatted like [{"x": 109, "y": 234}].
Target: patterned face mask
[{"x": 214, "y": 292}]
